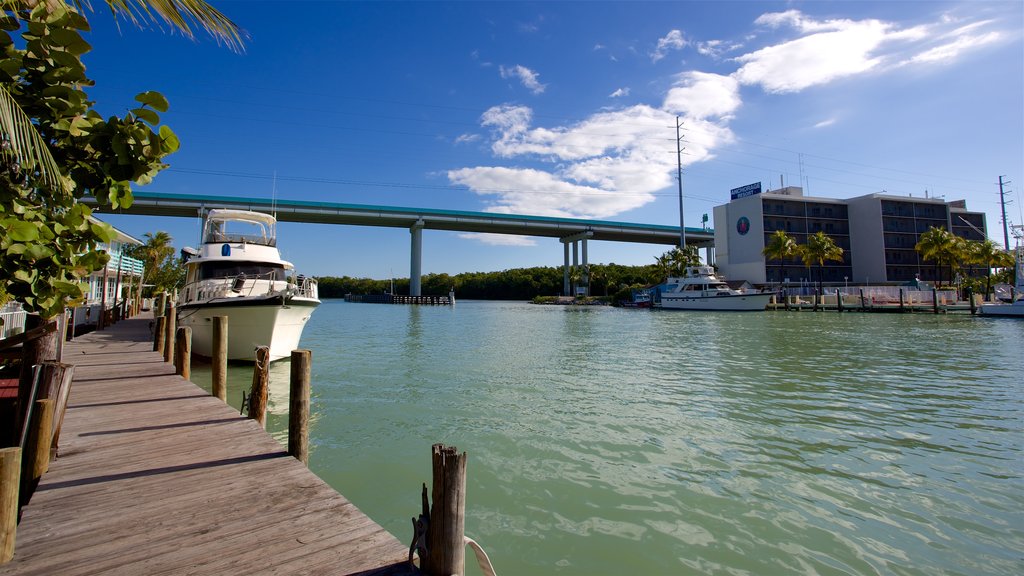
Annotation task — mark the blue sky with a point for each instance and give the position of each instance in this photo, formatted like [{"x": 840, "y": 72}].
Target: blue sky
[{"x": 568, "y": 109}]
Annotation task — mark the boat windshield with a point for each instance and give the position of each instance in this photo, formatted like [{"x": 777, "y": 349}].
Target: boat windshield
[
  {"x": 239, "y": 230},
  {"x": 213, "y": 270}
]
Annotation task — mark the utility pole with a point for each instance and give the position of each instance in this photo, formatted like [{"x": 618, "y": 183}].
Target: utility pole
[
  {"x": 1002, "y": 203},
  {"x": 679, "y": 175}
]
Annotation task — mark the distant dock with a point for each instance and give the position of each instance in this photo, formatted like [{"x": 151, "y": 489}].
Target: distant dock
[
  {"x": 448, "y": 300},
  {"x": 900, "y": 302},
  {"x": 155, "y": 476}
]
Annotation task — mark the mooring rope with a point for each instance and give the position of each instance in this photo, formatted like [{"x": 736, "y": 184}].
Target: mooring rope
[{"x": 481, "y": 557}]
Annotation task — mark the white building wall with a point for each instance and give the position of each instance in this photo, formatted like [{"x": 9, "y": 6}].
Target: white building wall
[
  {"x": 743, "y": 259},
  {"x": 867, "y": 240}
]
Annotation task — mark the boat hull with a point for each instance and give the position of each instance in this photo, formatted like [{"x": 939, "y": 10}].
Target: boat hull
[
  {"x": 1015, "y": 310},
  {"x": 725, "y": 303},
  {"x": 273, "y": 322}
]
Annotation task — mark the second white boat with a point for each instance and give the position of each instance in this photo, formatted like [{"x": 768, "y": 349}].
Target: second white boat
[{"x": 701, "y": 289}]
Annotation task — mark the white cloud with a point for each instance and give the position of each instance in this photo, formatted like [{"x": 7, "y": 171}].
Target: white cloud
[
  {"x": 843, "y": 48},
  {"x": 525, "y": 75},
  {"x": 672, "y": 41},
  {"x": 951, "y": 50},
  {"x": 499, "y": 239},
  {"x": 704, "y": 95},
  {"x": 716, "y": 48},
  {"x": 828, "y": 50},
  {"x": 467, "y": 138},
  {"x": 605, "y": 165},
  {"x": 616, "y": 160}
]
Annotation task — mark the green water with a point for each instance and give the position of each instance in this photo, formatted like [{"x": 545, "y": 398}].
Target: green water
[{"x": 608, "y": 441}]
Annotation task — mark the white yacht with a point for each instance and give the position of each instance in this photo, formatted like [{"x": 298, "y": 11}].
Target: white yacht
[
  {"x": 1014, "y": 308},
  {"x": 701, "y": 289},
  {"x": 238, "y": 272}
]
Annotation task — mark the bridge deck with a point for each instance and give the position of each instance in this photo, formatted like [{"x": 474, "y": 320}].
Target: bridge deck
[{"x": 157, "y": 477}]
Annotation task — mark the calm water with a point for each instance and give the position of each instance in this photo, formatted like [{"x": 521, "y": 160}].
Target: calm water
[{"x": 607, "y": 441}]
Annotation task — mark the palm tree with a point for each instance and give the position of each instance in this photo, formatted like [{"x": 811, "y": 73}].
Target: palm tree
[
  {"x": 780, "y": 247},
  {"x": 940, "y": 246},
  {"x": 18, "y": 131},
  {"x": 820, "y": 248},
  {"x": 988, "y": 254},
  {"x": 153, "y": 253}
]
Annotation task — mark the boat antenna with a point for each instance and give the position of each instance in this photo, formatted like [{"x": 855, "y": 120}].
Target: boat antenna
[
  {"x": 679, "y": 175},
  {"x": 273, "y": 196}
]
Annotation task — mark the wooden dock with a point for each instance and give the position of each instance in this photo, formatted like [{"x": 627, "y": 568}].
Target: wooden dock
[{"x": 155, "y": 476}]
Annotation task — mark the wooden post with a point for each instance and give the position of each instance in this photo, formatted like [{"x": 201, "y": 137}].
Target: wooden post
[
  {"x": 839, "y": 301},
  {"x": 161, "y": 304},
  {"x": 785, "y": 298},
  {"x": 901, "y": 299},
  {"x": 219, "y": 360},
  {"x": 973, "y": 303},
  {"x": 169, "y": 334},
  {"x": 446, "y": 546},
  {"x": 183, "y": 353},
  {"x": 57, "y": 377},
  {"x": 158, "y": 335},
  {"x": 10, "y": 482},
  {"x": 298, "y": 406},
  {"x": 863, "y": 303},
  {"x": 41, "y": 437},
  {"x": 37, "y": 452},
  {"x": 101, "y": 321},
  {"x": 260, "y": 384},
  {"x": 935, "y": 301}
]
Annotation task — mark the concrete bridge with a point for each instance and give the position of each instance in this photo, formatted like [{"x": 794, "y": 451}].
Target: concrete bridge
[{"x": 570, "y": 231}]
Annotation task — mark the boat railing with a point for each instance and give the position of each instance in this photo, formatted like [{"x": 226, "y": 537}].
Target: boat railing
[
  {"x": 251, "y": 285},
  {"x": 306, "y": 287}
]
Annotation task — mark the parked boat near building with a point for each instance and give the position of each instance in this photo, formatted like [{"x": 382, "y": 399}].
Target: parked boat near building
[
  {"x": 1014, "y": 308},
  {"x": 238, "y": 273},
  {"x": 701, "y": 289}
]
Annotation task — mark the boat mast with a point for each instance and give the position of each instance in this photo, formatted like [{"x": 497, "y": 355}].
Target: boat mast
[{"x": 679, "y": 176}]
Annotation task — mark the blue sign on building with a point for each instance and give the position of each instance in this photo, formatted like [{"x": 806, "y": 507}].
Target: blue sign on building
[{"x": 744, "y": 191}]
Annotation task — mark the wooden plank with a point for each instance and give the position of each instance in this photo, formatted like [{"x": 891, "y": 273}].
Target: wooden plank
[{"x": 157, "y": 477}]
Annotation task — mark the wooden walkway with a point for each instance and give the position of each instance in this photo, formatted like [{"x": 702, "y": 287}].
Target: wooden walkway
[{"x": 157, "y": 477}]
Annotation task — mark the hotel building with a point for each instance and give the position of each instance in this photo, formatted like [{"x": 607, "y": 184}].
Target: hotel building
[{"x": 877, "y": 233}]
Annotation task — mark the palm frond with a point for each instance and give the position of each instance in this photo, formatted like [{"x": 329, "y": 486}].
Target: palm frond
[
  {"x": 27, "y": 144},
  {"x": 181, "y": 14}
]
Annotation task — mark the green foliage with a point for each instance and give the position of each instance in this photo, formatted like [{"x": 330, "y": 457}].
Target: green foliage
[
  {"x": 52, "y": 243},
  {"x": 514, "y": 284},
  {"x": 675, "y": 261},
  {"x": 163, "y": 272}
]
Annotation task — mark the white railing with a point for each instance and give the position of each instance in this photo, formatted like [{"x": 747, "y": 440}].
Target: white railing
[{"x": 12, "y": 320}]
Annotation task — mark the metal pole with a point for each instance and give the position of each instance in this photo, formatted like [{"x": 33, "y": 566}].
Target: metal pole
[{"x": 679, "y": 176}]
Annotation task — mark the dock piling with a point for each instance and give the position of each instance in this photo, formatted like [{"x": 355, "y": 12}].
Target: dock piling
[
  {"x": 260, "y": 385},
  {"x": 169, "y": 334},
  {"x": 219, "y": 367},
  {"x": 158, "y": 335},
  {"x": 10, "y": 480},
  {"x": 446, "y": 545},
  {"x": 298, "y": 406},
  {"x": 183, "y": 353}
]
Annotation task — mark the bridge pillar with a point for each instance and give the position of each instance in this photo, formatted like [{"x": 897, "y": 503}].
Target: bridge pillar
[
  {"x": 586, "y": 268},
  {"x": 416, "y": 259},
  {"x": 574, "y": 240},
  {"x": 565, "y": 270}
]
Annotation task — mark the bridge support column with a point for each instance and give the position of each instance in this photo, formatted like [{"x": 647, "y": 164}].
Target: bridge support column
[
  {"x": 586, "y": 268},
  {"x": 565, "y": 270},
  {"x": 574, "y": 240},
  {"x": 416, "y": 259}
]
